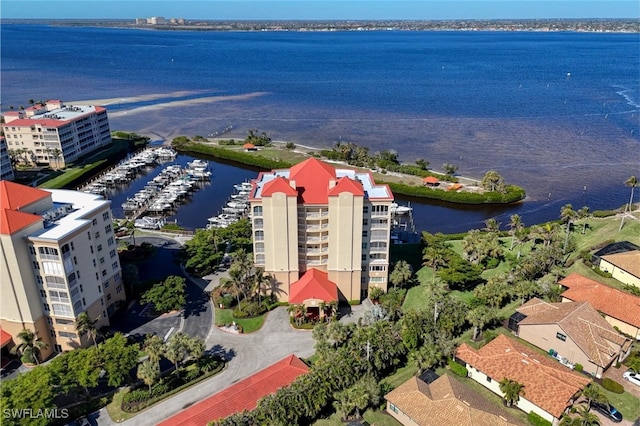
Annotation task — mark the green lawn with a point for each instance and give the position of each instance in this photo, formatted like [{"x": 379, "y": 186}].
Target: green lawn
[
  {"x": 401, "y": 375},
  {"x": 627, "y": 404},
  {"x": 249, "y": 325},
  {"x": 373, "y": 417}
]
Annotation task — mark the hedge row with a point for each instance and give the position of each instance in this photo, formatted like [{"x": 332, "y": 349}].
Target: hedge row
[
  {"x": 513, "y": 194},
  {"x": 457, "y": 369},
  {"x": 612, "y": 386}
]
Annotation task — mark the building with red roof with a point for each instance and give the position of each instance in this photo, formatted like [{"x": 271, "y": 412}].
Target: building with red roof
[
  {"x": 620, "y": 309},
  {"x": 59, "y": 259},
  {"x": 244, "y": 395},
  {"x": 316, "y": 217},
  {"x": 55, "y": 134}
]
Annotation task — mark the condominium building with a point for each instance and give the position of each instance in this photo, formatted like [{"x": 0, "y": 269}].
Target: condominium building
[
  {"x": 58, "y": 259},
  {"x": 6, "y": 168},
  {"x": 314, "y": 217},
  {"x": 56, "y": 134}
]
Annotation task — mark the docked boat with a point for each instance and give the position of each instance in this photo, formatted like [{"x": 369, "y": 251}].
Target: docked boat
[
  {"x": 149, "y": 222},
  {"x": 400, "y": 210}
]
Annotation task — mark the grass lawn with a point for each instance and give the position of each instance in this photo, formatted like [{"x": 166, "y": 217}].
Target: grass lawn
[
  {"x": 401, "y": 375},
  {"x": 626, "y": 403},
  {"x": 249, "y": 325},
  {"x": 114, "y": 410}
]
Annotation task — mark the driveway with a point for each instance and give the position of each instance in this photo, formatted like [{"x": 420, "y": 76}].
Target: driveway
[{"x": 247, "y": 354}]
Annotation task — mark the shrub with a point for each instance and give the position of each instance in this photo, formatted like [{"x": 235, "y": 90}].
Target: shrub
[
  {"x": 160, "y": 389},
  {"x": 354, "y": 302},
  {"x": 458, "y": 369},
  {"x": 578, "y": 368},
  {"x": 612, "y": 386},
  {"x": 226, "y": 301},
  {"x": 537, "y": 420},
  {"x": 290, "y": 145},
  {"x": 601, "y": 272},
  {"x": 250, "y": 309},
  {"x": 138, "y": 395},
  {"x": 375, "y": 292},
  {"x": 604, "y": 213}
]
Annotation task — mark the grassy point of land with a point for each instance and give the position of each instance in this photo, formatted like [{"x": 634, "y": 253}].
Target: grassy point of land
[{"x": 249, "y": 325}]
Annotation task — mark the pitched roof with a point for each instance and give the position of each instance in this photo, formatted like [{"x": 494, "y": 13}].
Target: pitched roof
[
  {"x": 346, "y": 184},
  {"x": 241, "y": 396},
  {"x": 45, "y": 122},
  {"x": 629, "y": 261},
  {"x": 314, "y": 284},
  {"x": 608, "y": 300},
  {"x": 582, "y": 323},
  {"x": 279, "y": 184},
  {"x": 15, "y": 196},
  {"x": 547, "y": 383},
  {"x": 446, "y": 402},
  {"x": 431, "y": 179},
  {"x": 12, "y": 221},
  {"x": 5, "y": 338},
  {"x": 312, "y": 178},
  {"x": 248, "y": 146}
]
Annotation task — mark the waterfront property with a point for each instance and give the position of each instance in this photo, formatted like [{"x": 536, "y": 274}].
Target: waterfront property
[
  {"x": 620, "y": 309},
  {"x": 59, "y": 259},
  {"x": 56, "y": 134},
  {"x": 621, "y": 260},
  {"x": 549, "y": 387},
  {"x": 572, "y": 332},
  {"x": 314, "y": 216},
  {"x": 6, "y": 168}
]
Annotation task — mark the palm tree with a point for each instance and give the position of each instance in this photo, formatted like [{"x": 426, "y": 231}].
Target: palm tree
[
  {"x": 567, "y": 214},
  {"x": 434, "y": 257},
  {"x": 586, "y": 418},
  {"x": 57, "y": 153},
  {"x": 632, "y": 182},
  {"x": 592, "y": 394},
  {"x": 149, "y": 372},
  {"x": 85, "y": 325},
  {"x": 154, "y": 347},
  {"x": 30, "y": 346},
  {"x": 515, "y": 227},
  {"x": 131, "y": 227},
  {"x": 479, "y": 317},
  {"x": 583, "y": 213},
  {"x": 511, "y": 390},
  {"x": 492, "y": 225},
  {"x": 401, "y": 273}
]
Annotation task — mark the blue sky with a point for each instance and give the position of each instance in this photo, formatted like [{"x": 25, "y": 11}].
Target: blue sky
[{"x": 313, "y": 9}]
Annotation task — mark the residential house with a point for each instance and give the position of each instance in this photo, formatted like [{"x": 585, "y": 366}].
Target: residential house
[
  {"x": 549, "y": 387},
  {"x": 444, "y": 402},
  {"x": 574, "y": 332},
  {"x": 621, "y": 260},
  {"x": 620, "y": 309},
  {"x": 244, "y": 395}
]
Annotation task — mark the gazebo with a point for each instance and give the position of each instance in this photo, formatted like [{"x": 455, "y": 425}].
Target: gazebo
[
  {"x": 315, "y": 292},
  {"x": 249, "y": 147},
  {"x": 431, "y": 181}
]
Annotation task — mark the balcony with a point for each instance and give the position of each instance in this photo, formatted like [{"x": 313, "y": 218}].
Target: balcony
[
  {"x": 316, "y": 215},
  {"x": 315, "y": 228},
  {"x": 49, "y": 257},
  {"x": 316, "y": 239},
  {"x": 316, "y": 252}
]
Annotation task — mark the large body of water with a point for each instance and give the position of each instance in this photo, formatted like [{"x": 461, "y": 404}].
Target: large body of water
[{"x": 557, "y": 113}]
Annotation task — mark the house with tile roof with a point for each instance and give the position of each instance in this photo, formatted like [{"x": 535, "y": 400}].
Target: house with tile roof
[
  {"x": 244, "y": 395},
  {"x": 549, "y": 387},
  {"x": 314, "y": 216},
  {"x": 444, "y": 402},
  {"x": 55, "y": 134},
  {"x": 620, "y": 309},
  {"x": 624, "y": 267},
  {"x": 574, "y": 332},
  {"x": 58, "y": 259}
]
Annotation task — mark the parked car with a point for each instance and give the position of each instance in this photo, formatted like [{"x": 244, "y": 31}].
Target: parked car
[
  {"x": 608, "y": 410},
  {"x": 632, "y": 377}
]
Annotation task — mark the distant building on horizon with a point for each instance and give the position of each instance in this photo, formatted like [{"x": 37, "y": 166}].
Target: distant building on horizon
[
  {"x": 58, "y": 259},
  {"x": 55, "y": 134},
  {"x": 317, "y": 227}
]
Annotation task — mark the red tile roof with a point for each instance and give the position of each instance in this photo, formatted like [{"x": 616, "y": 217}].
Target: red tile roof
[
  {"x": 15, "y": 196},
  {"x": 248, "y": 146},
  {"x": 279, "y": 184},
  {"x": 346, "y": 184},
  {"x": 608, "y": 300},
  {"x": 628, "y": 261},
  {"x": 241, "y": 396},
  {"x": 314, "y": 284},
  {"x": 312, "y": 178},
  {"x": 431, "y": 179},
  {"x": 547, "y": 383},
  {"x": 5, "y": 338},
  {"x": 12, "y": 221},
  {"x": 45, "y": 122}
]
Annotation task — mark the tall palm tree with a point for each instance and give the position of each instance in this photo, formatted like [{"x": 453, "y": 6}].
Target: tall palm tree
[
  {"x": 511, "y": 390},
  {"x": 401, "y": 273},
  {"x": 492, "y": 225},
  {"x": 567, "y": 215},
  {"x": 434, "y": 257},
  {"x": 583, "y": 213},
  {"x": 149, "y": 372},
  {"x": 30, "y": 346},
  {"x": 85, "y": 325},
  {"x": 587, "y": 418},
  {"x": 154, "y": 347},
  {"x": 515, "y": 227},
  {"x": 592, "y": 394},
  {"x": 632, "y": 182},
  {"x": 479, "y": 317}
]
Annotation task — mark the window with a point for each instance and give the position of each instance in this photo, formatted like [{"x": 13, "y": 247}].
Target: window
[
  {"x": 46, "y": 306},
  {"x": 52, "y": 268},
  {"x": 97, "y": 277},
  {"x": 105, "y": 216},
  {"x": 112, "y": 254},
  {"x": 99, "y": 289},
  {"x": 365, "y": 234},
  {"x": 32, "y": 250},
  {"x": 110, "y": 241},
  {"x": 102, "y": 260},
  {"x": 99, "y": 247},
  {"x": 105, "y": 284},
  {"x": 58, "y": 296},
  {"x": 378, "y": 268},
  {"x": 364, "y": 257},
  {"x": 89, "y": 235},
  {"x": 488, "y": 379},
  {"x": 52, "y": 333},
  {"x": 116, "y": 277},
  {"x": 48, "y": 250},
  {"x": 108, "y": 297},
  {"x": 94, "y": 262},
  {"x": 50, "y": 320},
  {"x": 365, "y": 209},
  {"x": 393, "y": 408},
  {"x": 38, "y": 279},
  {"x": 114, "y": 265},
  {"x": 36, "y": 265},
  {"x": 96, "y": 234},
  {"x": 364, "y": 246},
  {"x": 95, "y": 222},
  {"x": 67, "y": 334},
  {"x": 72, "y": 246},
  {"x": 91, "y": 247},
  {"x": 64, "y": 321},
  {"x": 104, "y": 272},
  {"x": 119, "y": 289},
  {"x": 62, "y": 310},
  {"x": 561, "y": 336},
  {"x": 257, "y": 211},
  {"x": 107, "y": 229},
  {"x": 365, "y": 222},
  {"x": 43, "y": 293},
  {"x": 378, "y": 279},
  {"x": 259, "y": 236}
]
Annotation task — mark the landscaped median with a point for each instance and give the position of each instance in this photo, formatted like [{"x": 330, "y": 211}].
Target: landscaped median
[{"x": 270, "y": 158}]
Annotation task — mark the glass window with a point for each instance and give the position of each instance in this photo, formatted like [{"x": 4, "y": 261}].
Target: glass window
[{"x": 561, "y": 337}]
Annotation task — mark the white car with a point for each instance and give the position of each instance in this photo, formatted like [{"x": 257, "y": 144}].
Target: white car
[{"x": 632, "y": 377}]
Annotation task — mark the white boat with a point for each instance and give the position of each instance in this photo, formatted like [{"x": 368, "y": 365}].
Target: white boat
[
  {"x": 400, "y": 210},
  {"x": 149, "y": 222},
  {"x": 244, "y": 186}
]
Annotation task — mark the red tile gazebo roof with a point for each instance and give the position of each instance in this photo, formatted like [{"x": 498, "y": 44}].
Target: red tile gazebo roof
[{"x": 314, "y": 284}]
